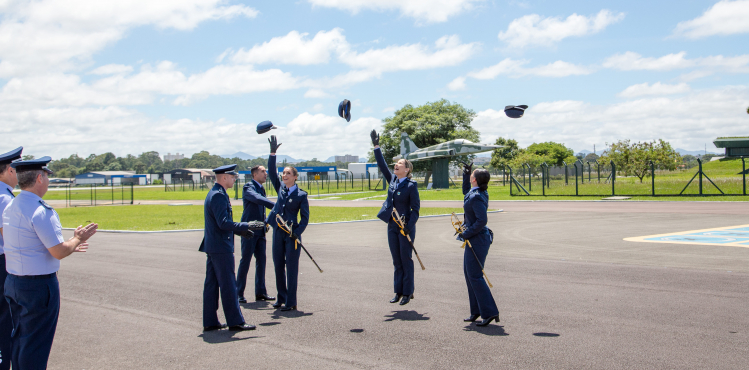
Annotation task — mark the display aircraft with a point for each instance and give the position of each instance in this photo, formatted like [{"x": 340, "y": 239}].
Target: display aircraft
[{"x": 451, "y": 148}]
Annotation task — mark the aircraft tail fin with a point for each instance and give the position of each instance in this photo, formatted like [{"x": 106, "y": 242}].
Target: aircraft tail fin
[{"x": 407, "y": 145}]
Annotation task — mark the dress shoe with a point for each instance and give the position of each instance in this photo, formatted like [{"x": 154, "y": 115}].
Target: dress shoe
[
  {"x": 242, "y": 300},
  {"x": 396, "y": 298},
  {"x": 472, "y": 318},
  {"x": 406, "y": 299},
  {"x": 486, "y": 322},
  {"x": 277, "y": 305},
  {"x": 264, "y": 297},
  {"x": 288, "y": 308},
  {"x": 242, "y": 327},
  {"x": 214, "y": 327}
]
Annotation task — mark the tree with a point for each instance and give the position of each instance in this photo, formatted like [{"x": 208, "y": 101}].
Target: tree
[
  {"x": 591, "y": 157},
  {"x": 503, "y": 156},
  {"x": 553, "y": 153},
  {"x": 634, "y": 158},
  {"x": 114, "y": 166},
  {"x": 429, "y": 124}
]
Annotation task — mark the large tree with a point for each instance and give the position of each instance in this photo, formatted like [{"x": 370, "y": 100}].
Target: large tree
[
  {"x": 634, "y": 158},
  {"x": 503, "y": 156},
  {"x": 429, "y": 124},
  {"x": 554, "y": 154}
]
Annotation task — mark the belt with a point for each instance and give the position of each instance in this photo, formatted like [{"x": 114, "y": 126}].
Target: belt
[{"x": 35, "y": 277}]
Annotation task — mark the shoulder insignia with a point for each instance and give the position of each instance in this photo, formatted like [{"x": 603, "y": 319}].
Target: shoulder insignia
[{"x": 45, "y": 205}]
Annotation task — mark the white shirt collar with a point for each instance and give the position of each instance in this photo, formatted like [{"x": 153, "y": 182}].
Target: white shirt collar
[{"x": 293, "y": 188}]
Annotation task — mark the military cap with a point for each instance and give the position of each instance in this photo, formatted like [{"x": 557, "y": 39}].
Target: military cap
[
  {"x": 265, "y": 126},
  {"x": 515, "y": 111},
  {"x": 226, "y": 170},
  {"x": 11, "y": 156},
  {"x": 344, "y": 110},
  {"x": 32, "y": 164}
]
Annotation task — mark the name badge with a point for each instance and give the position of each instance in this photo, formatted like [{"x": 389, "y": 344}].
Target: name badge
[{"x": 289, "y": 200}]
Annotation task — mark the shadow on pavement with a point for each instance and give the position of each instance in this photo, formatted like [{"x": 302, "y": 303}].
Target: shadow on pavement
[
  {"x": 548, "y": 335},
  {"x": 290, "y": 314},
  {"x": 269, "y": 323},
  {"x": 492, "y": 330},
  {"x": 222, "y": 336},
  {"x": 357, "y": 330},
  {"x": 406, "y": 315},
  {"x": 256, "y": 305}
]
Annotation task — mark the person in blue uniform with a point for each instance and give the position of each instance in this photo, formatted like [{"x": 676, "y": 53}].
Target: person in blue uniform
[
  {"x": 475, "y": 205},
  {"x": 255, "y": 203},
  {"x": 8, "y": 182},
  {"x": 34, "y": 246},
  {"x": 403, "y": 195},
  {"x": 293, "y": 206},
  {"x": 218, "y": 245}
]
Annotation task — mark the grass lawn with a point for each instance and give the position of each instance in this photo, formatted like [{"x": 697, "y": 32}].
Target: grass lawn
[{"x": 165, "y": 217}]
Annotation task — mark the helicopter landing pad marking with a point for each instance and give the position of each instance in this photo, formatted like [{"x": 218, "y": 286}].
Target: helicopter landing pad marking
[{"x": 732, "y": 236}]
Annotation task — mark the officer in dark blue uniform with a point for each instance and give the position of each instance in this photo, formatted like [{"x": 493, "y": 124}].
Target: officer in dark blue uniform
[
  {"x": 475, "y": 205},
  {"x": 218, "y": 244},
  {"x": 33, "y": 249},
  {"x": 291, "y": 203},
  {"x": 255, "y": 203},
  {"x": 8, "y": 181},
  {"x": 403, "y": 194}
]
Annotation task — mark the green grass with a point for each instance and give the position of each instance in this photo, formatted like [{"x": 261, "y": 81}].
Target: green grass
[{"x": 164, "y": 217}]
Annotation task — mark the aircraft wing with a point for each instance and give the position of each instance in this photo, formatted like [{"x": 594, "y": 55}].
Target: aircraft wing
[{"x": 420, "y": 155}]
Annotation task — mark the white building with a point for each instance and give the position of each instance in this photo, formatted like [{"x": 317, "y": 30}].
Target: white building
[{"x": 348, "y": 158}]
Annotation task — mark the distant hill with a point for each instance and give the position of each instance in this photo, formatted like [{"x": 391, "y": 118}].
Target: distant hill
[
  {"x": 330, "y": 160},
  {"x": 240, "y": 155},
  {"x": 281, "y": 157},
  {"x": 694, "y": 152}
]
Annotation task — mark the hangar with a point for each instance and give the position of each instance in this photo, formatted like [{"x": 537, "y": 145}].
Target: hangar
[{"x": 107, "y": 177}]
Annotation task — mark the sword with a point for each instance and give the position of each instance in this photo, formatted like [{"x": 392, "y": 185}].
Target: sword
[
  {"x": 459, "y": 228},
  {"x": 287, "y": 228},
  {"x": 399, "y": 221}
]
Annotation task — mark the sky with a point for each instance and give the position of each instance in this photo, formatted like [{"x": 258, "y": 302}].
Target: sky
[{"x": 91, "y": 76}]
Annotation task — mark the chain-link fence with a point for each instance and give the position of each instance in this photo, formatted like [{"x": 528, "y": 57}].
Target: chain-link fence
[
  {"x": 98, "y": 194},
  {"x": 603, "y": 179}
]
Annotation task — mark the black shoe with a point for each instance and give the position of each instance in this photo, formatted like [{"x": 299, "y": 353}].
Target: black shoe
[
  {"x": 264, "y": 297},
  {"x": 396, "y": 298},
  {"x": 214, "y": 327},
  {"x": 472, "y": 318},
  {"x": 486, "y": 322},
  {"x": 242, "y": 327},
  {"x": 277, "y": 305},
  {"x": 287, "y": 308},
  {"x": 406, "y": 299},
  {"x": 242, "y": 300}
]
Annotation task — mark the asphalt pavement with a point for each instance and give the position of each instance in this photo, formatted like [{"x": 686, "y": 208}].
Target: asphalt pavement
[{"x": 572, "y": 295}]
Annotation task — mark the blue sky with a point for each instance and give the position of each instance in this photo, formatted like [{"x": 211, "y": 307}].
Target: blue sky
[{"x": 183, "y": 76}]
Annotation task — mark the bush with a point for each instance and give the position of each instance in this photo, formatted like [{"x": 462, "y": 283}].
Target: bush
[{"x": 158, "y": 182}]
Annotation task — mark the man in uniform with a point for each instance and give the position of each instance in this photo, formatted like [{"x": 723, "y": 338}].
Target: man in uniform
[
  {"x": 218, "y": 244},
  {"x": 33, "y": 249},
  {"x": 8, "y": 181},
  {"x": 255, "y": 203}
]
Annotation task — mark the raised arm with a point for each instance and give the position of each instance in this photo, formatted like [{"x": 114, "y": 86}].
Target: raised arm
[
  {"x": 467, "y": 178},
  {"x": 381, "y": 164},
  {"x": 272, "y": 170}
]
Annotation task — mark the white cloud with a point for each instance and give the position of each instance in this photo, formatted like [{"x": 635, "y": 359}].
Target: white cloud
[
  {"x": 459, "y": 83},
  {"x": 295, "y": 48},
  {"x": 112, "y": 69},
  {"x": 723, "y": 18},
  {"x": 532, "y": 30},
  {"x": 687, "y": 121},
  {"x": 631, "y": 61},
  {"x": 316, "y": 93},
  {"x": 65, "y": 35},
  {"x": 515, "y": 68},
  {"x": 429, "y": 11},
  {"x": 657, "y": 88}
]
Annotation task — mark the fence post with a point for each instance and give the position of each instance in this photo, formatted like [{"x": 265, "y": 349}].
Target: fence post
[
  {"x": 613, "y": 178},
  {"x": 530, "y": 178},
  {"x": 652, "y": 176},
  {"x": 699, "y": 161},
  {"x": 743, "y": 171},
  {"x": 576, "y": 189},
  {"x": 543, "y": 179},
  {"x": 566, "y": 175},
  {"x": 132, "y": 193},
  {"x": 598, "y": 169},
  {"x": 510, "y": 180}
]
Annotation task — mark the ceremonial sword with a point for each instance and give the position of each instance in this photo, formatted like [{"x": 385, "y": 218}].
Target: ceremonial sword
[
  {"x": 287, "y": 228},
  {"x": 399, "y": 221},
  {"x": 459, "y": 228}
]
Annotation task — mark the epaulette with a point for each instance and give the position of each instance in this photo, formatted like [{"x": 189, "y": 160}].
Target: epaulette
[{"x": 45, "y": 205}]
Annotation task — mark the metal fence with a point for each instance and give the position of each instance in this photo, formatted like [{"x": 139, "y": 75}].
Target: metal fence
[
  {"x": 98, "y": 194},
  {"x": 599, "y": 179}
]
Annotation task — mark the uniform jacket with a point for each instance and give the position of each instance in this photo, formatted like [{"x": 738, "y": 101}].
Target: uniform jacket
[
  {"x": 288, "y": 205},
  {"x": 404, "y": 196},
  {"x": 475, "y": 206},
  {"x": 220, "y": 227},
  {"x": 6, "y": 195},
  {"x": 255, "y": 203}
]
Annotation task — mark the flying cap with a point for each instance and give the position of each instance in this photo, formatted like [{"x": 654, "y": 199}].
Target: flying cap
[
  {"x": 11, "y": 156},
  {"x": 265, "y": 126},
  {"x": 344, "y": 110},
  {"x": 32, "y": 164},
  {"x": 515, "y": 111},
  {"x": 227, "y": 170}
]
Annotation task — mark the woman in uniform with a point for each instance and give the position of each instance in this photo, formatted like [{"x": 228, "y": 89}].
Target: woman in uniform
[
  {"x": 403, "y": 195},
  {"x": 475, "y": 205}
]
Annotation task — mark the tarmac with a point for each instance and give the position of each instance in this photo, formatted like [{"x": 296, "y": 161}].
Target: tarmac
[{"x": 572, "y": 294}]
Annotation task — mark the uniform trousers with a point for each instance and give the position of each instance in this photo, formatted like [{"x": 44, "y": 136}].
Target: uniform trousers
[
  {"x": 34, "y": 306},
  {"x": 6, "y": 324},
  {"x": 252, "y": 246},
  {"x": 401, "y": 251},
  {"x": 480, "y": 297},
  {"x": 286, "y": 264},
  {"x": 219, "y": 278}
]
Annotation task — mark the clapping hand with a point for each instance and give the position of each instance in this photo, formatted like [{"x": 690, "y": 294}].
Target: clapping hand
[{"x": 83, "y": 233}]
